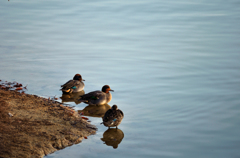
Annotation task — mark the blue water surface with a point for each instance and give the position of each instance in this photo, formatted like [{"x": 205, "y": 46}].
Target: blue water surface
[{"x": 174, "y": 66}]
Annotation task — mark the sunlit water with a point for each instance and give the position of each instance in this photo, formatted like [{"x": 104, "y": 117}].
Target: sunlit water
[{"x": 174, "y": 66}]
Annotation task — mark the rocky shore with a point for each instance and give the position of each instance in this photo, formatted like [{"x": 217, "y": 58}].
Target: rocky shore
[{"x": 32, "y": 126}]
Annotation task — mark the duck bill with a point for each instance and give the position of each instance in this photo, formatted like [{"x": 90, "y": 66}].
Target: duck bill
[
  {"x": 83, "y": 80},
  {"x": 111, "y": 90}
]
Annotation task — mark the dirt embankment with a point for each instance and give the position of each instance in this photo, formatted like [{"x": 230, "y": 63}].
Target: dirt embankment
[{"x": 32, "y": 126}]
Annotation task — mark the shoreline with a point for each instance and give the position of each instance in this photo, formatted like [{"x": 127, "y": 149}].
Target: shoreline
[{"x": 33, "y": 126}]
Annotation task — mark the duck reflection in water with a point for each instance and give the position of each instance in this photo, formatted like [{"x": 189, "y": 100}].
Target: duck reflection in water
[
  {"x": 113, "y": 137},
  {"x": 72, "y": 97},
  {"x": 95, "y": 110}
]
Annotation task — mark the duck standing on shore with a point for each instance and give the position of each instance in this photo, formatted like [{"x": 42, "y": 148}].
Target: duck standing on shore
[
  {"x": 74, "y": 85},
  {"x": 113, "y": 117},
  {"x": 98, "y": 97}
]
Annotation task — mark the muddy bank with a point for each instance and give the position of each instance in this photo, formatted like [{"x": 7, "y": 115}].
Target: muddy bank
[{"x": 32, "y": 126}]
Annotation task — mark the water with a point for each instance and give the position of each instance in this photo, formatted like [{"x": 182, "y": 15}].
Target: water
[{"x": 174, "y": 66}]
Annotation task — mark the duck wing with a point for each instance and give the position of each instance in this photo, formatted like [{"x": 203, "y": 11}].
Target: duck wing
[
  {"x": 66, "y": 83},
  {"x": 70, "y": 84},
  {"x": 120, "y": 113},
  {"x": 108, "y": 115},
  {"x": 112, "y": 114},
  {"x": 92, "y": 95}
]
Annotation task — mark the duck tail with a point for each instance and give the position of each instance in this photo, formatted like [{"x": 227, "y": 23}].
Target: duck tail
[{"x": 66, "y": 90}]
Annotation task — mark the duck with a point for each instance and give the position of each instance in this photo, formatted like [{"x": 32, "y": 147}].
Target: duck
[
  {"x": 74, "y": 85},
  {"x": 98, "y": 97},
  {"x": 113, "y": 117}
]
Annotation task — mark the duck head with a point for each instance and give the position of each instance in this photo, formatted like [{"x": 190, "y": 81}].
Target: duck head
[
  {"x": 78, "y": 77},
  {"x": 114, "y": 107},
  {"x": 106, "y": 89}
]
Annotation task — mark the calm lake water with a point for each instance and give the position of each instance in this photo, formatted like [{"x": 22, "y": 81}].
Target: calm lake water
[{"x": 174, "y": 66}]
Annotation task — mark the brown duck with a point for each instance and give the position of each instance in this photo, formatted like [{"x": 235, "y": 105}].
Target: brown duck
[
  {"x": 74, "y": 85},
  {"x": 113, "y": 117},
  {"x": 98, "y": 97}
]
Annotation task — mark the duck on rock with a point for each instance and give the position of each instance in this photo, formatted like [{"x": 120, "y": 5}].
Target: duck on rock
[
  {"x": 74, "y": 85},
  {"x": 98, "y": 97},
  {"x": 113, "y": 117}
]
